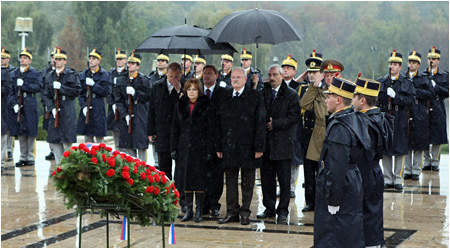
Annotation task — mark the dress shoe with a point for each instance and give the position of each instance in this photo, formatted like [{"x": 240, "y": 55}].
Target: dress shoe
[
  {"x": 245, "y": 220},
  {"x": 265, "y": 215},
  {"x": 21, "y": 163},
  {"x": 388, "y": 186},
  {"x": 407, "y": 176},
  {"x": 398, "y": 186},
  {"x": 215, "y": 212},
  {"x": 10, "y": 157},
  {"x": 428, "y": 167},
  {"x": 50, "y": 156},
  {"x": 308, "y": 208},
  {"x": 281, "y": 219},
  {"x": 292, "y": 195},
  {"x": 435, "y": 168},
  {"x": 30, "y": 163},
  {"x": 415, "y": 177},
  {"x": 228, "y": 219}
]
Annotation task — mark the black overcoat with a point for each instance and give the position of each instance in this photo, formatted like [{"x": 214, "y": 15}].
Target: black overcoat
[
  {"x": 161, "y": 108},
  {"x": 339, "y": 183},
  {"x": 32, "y": 84},
  {"x": 192, "y": 136},
  {"x": 70, "y": 89},
  {"x": 138, "y": 138},
  {"x": 380, "y": 126},
  {"x": 44, "y": 73},
  {"x": 404, "y": 98},
  {"x": 285, "y": 113},
  {"x": 111, "y": 122},
  {"x": 241, "y": 129},
  {"x": 437, "y": 116},
  {"x": 7, "y": 86},
  {"x": 154, "y": 77},
  {"x": 97, "y": 114}
]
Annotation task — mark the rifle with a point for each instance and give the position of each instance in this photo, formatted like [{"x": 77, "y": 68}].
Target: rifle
[
  {"x": 86, "y": 121},
  {"x": 19, "y": 94},
  {"x": 47, "y": 113},
  {"x": 430, "y": 76},
  {"x": 130, "y": 109},
  {"x": 390, "y": 99},
  {"x": 57, "y": 99}
]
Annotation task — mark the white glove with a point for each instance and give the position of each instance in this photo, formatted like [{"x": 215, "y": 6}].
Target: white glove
[
  {"x": 85, "y": 111},
  {"x": 115, "y": 80},
  {"x": 56, "y": 85},
  {"x": 19, "y": 82},
  {"x": 114, "y": 108},
  {"x": 130, "y": 90},
  {"x": 433, "y": 83},
  {"x": 391, "y": 92},
  {"x": 90, "y": 82},
  {"x": 223, "y": 84},
  {"x": 16, "y": 108},
  {"x": 333, "y": 209},
  {"x": 127, "y": 118},
  {"x": 54, "y": 112}
]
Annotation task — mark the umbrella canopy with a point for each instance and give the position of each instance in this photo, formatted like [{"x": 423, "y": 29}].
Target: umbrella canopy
[
  {"x": 183, "y": 39},
  {"x": 256, "y": 26}
]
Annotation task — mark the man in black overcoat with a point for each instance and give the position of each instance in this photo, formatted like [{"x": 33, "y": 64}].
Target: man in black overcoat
[
  {"x": 6, "y": 57},
  {"x": 44, "y": 73},
  {"x": 338, "y": 217},
  {"x": 282, "y": 114},
  {"x": 380, "y": 126},
  {"x": 240, "y": 141},
  {"x": 7, "y": 86}
]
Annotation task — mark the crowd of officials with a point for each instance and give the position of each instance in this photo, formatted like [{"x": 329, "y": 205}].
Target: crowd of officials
[{"x": 213, "y": 122}]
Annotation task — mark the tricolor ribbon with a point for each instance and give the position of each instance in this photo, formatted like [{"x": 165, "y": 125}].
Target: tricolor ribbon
[
  {"x": 123, "y": 234},
  {"x": 172, "y": 240}
]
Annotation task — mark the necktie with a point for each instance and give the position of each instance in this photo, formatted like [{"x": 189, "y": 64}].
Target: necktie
[
  {"x": 208, "y": 93},
  {"x": 236, "y": 94},
  {"x": 274, "y": 94}
]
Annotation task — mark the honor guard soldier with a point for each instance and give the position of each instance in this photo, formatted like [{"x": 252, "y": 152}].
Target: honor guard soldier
[
  {"x": 380, "y": 126},
  {"x": 131, "y": 96},
  {"x": 95, "y": 86},
  {"x": 113, "y": 115},
  {"x": 436, "y": 109},
  {"x": 161, "y": 68},
  {"x": 418, "y": 133},
  {"x": 338, "y": 216},
  {"x": 7, "y": 87},
  {"x": 224, "y": 79},
  {"x": 396, "y": 95},
  {"x": 44, "y": 73},
  {"x": 186, "y": 63},
  {"x": 199, "y": 64},
  {"x": 62, "y": 87},
  {"x": 23, "y": 118},
  {"x": 254, "y": 78},
  {"x": 6, "y": 56}
]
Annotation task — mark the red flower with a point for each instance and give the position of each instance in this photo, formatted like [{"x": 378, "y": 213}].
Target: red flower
[
  {"x": 156, "y": 177},
  {"x": 168, "y": 190},
  {"x": 111, "y": 161},
  {"x": 81, "y": 146},
  {"x": 148, "y": 172},
  {"x": 95, "y": 147},
  {"x": 58, "y": 169},
  {"x": 93, "y": 152},
  {"x": 129, "y": 159},
  {"x": 177, "y": 194},
  {"x": 163, "y": 179},
  {"x": 94, "y": 160},
  {"x": 172, "y": 186},
  {"x": 66, "y": 154},
  {"x": 110, "y": 172},
  {"x": 161, "y": 173},
  {"x": 135, "y": 170},
  {"x": 125, "y": 168},
  {"x": 130, "y": 181},
  {"x": 74, "y": 148},
  {"x": 150, "y": 189},
  {"x": 175, "y": 202},
  {"x": 102, "y": 145},
  {"x": 108, "y": 149},
  {"x": 152, "y": 168},
  {"x": 116, "y": 152},
  {"x": 126, "y": 175},
  {"x": 86, "y": 150},
  {"x": 150, "y": 178},
  {"x": 143, "y": 176},
  {"x": 104, "y": 157},
  {"x": 122, "y": 156},
  {"x": 156, "y": 192},
  {"x": 53, "y": 173}
]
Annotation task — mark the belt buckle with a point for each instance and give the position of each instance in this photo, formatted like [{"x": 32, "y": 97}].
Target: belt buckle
[
  {"x": 24, "y": 94},
  {"x": 93, "y": 95},
  {"x": 63, "y": 98}
]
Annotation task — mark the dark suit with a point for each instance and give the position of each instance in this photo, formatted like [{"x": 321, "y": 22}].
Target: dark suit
[{"x": 241, "y": 132}]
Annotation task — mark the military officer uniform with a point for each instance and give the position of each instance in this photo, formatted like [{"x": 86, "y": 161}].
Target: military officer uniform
[
  {"x": 7, "y": 86},
  {"x": 6, "y": 55},
  {"x": 250, "y": 71},
  {"x": 224, "y": 79}
]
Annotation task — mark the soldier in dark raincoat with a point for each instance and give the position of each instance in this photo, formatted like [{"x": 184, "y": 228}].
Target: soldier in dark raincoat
[
  {"x": 44, "y": 73},
  {"x": 338, "y": 217},
  {"x": 133, "y": 86},
  {"x": 224, "y": 79},
  {"x": 66, "y": 83},
  {"x": 6, "y": 56},
  {"x": 396, "y": 95},
  {"x": 436, "y": 110},
  {"x": 30, "y": 82},
  {"x": 7, "y": 86},
  {"x": 100, "y": 85},
  {"x": 380, "y": 127}
]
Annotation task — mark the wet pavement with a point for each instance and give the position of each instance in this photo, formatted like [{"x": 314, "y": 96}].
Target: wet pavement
[{"x": 34, "y": 215}]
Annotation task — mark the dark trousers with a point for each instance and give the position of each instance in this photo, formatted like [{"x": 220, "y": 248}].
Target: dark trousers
[
  {"x": 165, "y": 163},
  {"x": 270, "y": 170},
  {"x": 247, "y": 184},
  {"x": 310, "y": 170},
  {"x": 215, "y": 184}
]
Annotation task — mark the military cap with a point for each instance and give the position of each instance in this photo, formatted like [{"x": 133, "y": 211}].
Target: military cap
[
  {"x": 227, "y": 57},
  {"x": 342, "y": 87},
  {"x": 290, "y": 61},
  {"x": 200, "y": 59},
  {"x": 5, "y": 53},
  {"x": 163, "y": 57},
  {"x": 60, "y": 54},
  {"x": 314, "y": 61},
  {"x": 134, "y": 57},
  {"x": 95, "y": 53},
  {"x": 246, "y": 55},
  {"x": 27, "y": 52},
  {"x": 414, "y": 56},
  {"x": 367, "y": 87},
  {"x": 331, "y": 66},
  {"x": 120, "y": 54},
  {"x": 434, "y": 53},
  {"x": 395, "y": 57},
  {"x": 187, "y": 57}
]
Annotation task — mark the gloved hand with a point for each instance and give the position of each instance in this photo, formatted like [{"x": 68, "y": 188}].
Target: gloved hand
[
  {"x": 114, "y": 108},
  {"x": 54, "y": 112},
  {"x": 333, "y": 209},
  {"x": 223, "y": 84},
  {"x": 16, "y": 108},
  {"x": 433, "y": 83},
  {"x": 127, "y": 118},
  {"x": 130, "y": 90},
  {"x": 391, "y": 92},
  {"x": 209, "y": 157},
  {"x": 90, "y": 82},
  {"x": 85, "y": 111},
  {"x": 56, "y": 85},
  {"x": 174, "y": 155},
  {"x": 19, "y": 82},
  {"x": 115, "y": 80}
]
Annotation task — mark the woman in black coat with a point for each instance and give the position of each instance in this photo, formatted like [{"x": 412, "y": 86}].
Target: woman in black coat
[{"x": 191, "y": 145}]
